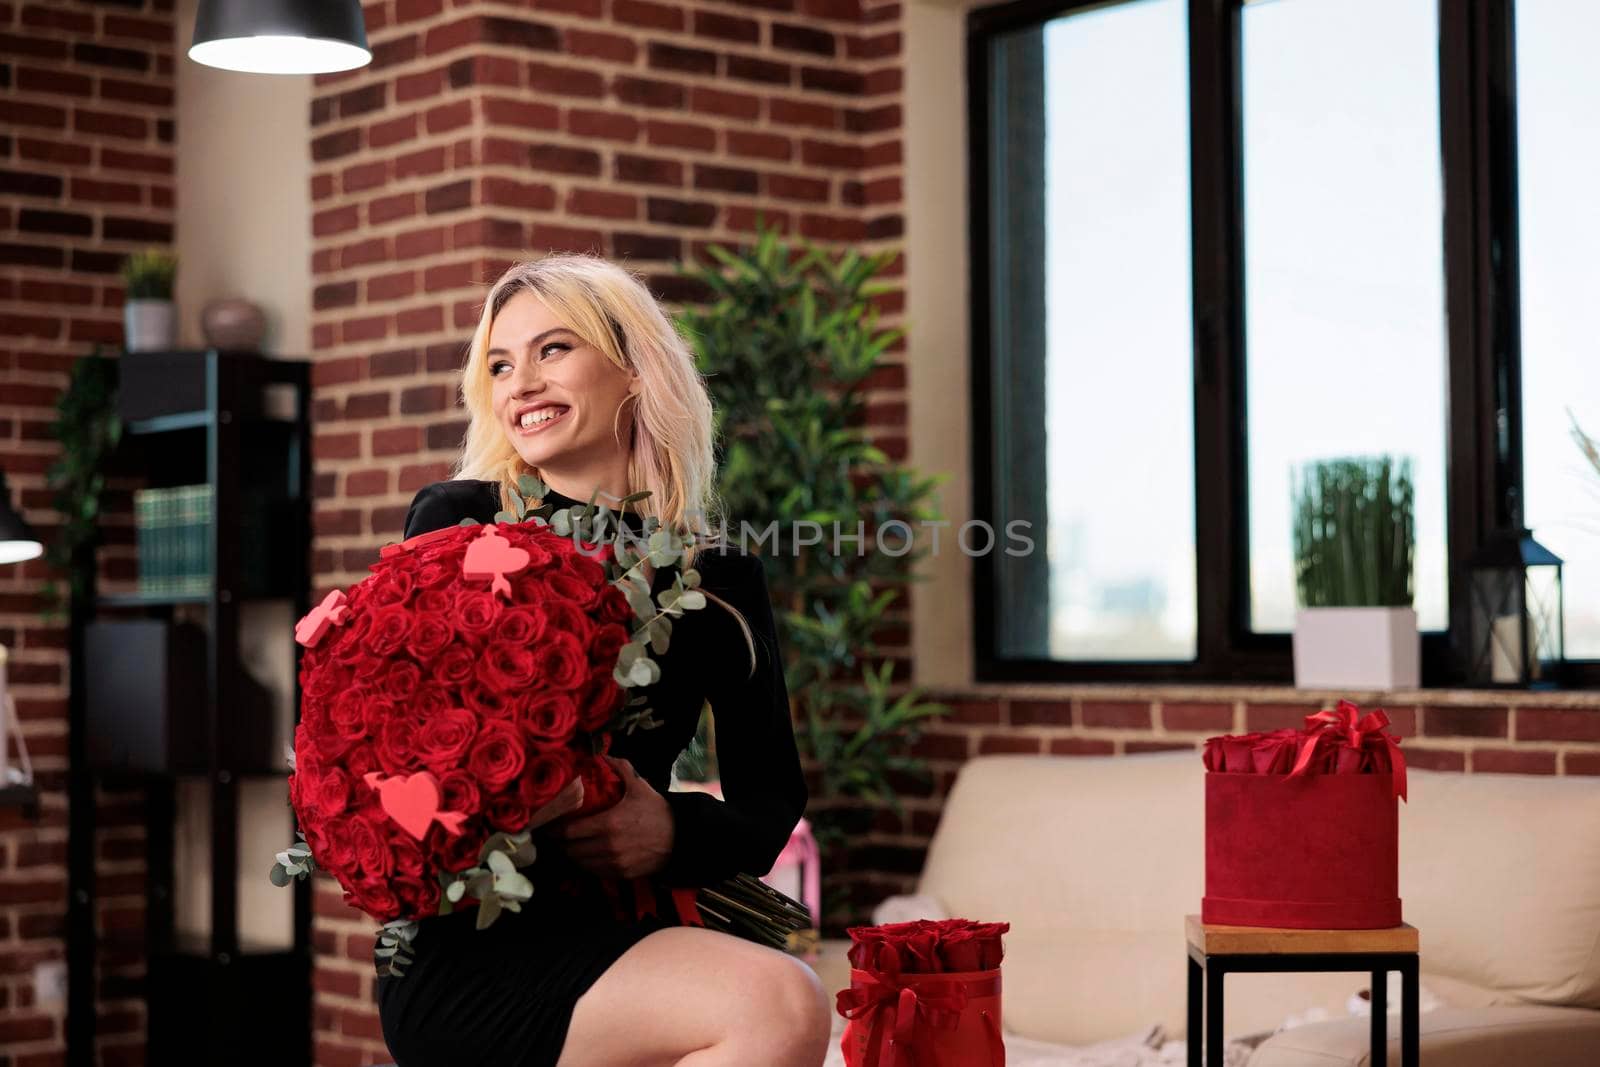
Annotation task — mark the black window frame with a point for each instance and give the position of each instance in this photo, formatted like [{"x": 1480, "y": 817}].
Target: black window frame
[{"x": 1484, "y": 477}]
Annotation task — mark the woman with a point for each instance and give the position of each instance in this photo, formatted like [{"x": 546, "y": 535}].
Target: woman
[{"x": 575, "y": 375}]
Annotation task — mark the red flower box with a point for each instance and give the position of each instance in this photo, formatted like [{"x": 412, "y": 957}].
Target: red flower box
[
  {"x": 1302, "y": 826},
  {"x": 924, "y": 994}
]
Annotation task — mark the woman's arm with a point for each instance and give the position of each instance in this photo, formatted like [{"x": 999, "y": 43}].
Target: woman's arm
[{"x": 762, "y": 783}]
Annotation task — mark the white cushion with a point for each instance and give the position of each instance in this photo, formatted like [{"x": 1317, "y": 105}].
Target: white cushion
[{"x": 1459, "y": 1037}]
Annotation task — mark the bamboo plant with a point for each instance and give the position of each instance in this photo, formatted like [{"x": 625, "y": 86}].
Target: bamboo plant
[{"x": 1354, "y": 533}]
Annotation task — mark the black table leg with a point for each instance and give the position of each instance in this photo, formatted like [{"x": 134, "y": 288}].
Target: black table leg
[
  {"x": 1380, "y": 1019},
  {"x": 1410, "y": 1038},
  {"x": 1194, "y": 1013},
  {"x": 1214, "y": 976}
]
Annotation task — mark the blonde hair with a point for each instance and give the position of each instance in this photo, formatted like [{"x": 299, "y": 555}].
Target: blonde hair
[{"x": 672, "y": 448}]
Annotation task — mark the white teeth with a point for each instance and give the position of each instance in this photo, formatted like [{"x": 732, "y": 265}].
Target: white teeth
[{"x": 534, "y": 418}]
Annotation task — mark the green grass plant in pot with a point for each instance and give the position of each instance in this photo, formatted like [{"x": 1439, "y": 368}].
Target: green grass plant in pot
[
  {"x": 1354, "y": 558},
  {"x": 149, "y": 317}
]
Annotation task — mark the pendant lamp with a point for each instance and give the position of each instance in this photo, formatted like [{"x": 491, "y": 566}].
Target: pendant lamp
[
  {"x": 18, "y": 542},
  {"x": 280, "y": 36}
]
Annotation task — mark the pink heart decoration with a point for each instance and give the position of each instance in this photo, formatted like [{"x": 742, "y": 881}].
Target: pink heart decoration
[
  {"x": 413, "y": 802},
  {"x": 492, "y": 556},
  {"x": 311, "y": 629}
]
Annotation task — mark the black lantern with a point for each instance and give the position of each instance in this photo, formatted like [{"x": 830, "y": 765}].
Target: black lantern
[{"x": 1514, "y": 591}]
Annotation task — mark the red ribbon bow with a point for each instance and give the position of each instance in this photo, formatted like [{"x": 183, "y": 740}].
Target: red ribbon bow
[
  {"x": 884, "y": 990},
  {"x": 1362, "y": 735}
]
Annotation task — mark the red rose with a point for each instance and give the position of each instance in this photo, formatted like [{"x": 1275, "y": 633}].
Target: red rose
[
  {"x": 393, "y": 586},
  {"x": 368, "y": 838},
  {"x": 397, "y": 745},
  {"x": 377, "y": 712},
  {"x": 458, "y": 791},
  {"x": 455, "y": 665},
  {"x": 561, "y": 661},
  {"x": 430, "y": 635},
  {"x": 487, "y": 702},
  {"x": 408, "y": 859},
  {"x": 377, "y": 899},
  {"x": 602, "y": 696},
  {"x": 401, "y": 680},
  {"x": 474, "y": 611},
  {"x": 349, "y": 643},
  {"x": 573, "y": 589},
  {"x": 325, "y": 683},
  {"x": 434, "y": 602},
  {"x": 432, "y": 699},
  {"x": 459, "y": 852},
  {"x": 521, "y": 626},
  {"x": 330, "y": 794},
  {"x": 613, "y": 606},
  {"x": 391, "y": 626},
  {"x": 566, "y": 618},
  {"x": 435, "y": 573},
  {"x": 587, "y": 568},
  {"x": 504, "y": 665},
  {"x": 548, "y": 773},
  {"x": 347, "y": 714},
  {"x": 607, "y": 644},
  {"x": 444, "y": 736},
  {"x": 339, "y": 853},
  {"x": 497, "y": 755},
  {"x": 549, "y": 717},
  {"x": 507, "y": 812}
]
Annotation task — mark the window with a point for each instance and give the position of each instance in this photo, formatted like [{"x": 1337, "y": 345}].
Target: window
[
  {"x": 1558, "y": 95},
  {"x": 1214, "y": 241},
  {"x": 1096, "y": 143},
  {"x": 1345, "y": 348}
]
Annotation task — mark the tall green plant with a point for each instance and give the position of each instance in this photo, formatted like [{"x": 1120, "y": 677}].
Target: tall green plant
[
  {"x": 1354, "y": 533},
  {"x": 88, "y": 428},
  {"x": 788, "y": 343}
]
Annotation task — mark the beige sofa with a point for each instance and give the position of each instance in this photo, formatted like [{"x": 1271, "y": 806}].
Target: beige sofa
[{"x": 1096, "y": 861}]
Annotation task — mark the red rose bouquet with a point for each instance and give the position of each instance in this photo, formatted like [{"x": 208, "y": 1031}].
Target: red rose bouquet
[
  {"x": 463, "y": 693},
  {"x": 924, "y": 993},
  {"x": 1341, "y": 741}
]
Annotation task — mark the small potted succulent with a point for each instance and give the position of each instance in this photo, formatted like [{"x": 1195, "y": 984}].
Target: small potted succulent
[
  {"x": 149, "y": 319},
  {"x": 1354, "y": 553}
]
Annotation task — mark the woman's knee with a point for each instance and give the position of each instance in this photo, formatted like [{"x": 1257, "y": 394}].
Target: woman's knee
[{"x": 696, "y": 990}]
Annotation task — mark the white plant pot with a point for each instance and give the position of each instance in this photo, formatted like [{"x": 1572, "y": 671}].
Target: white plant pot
[
  {"x": 149, "y": 325},
  {"x": 1357, "y": 648}
]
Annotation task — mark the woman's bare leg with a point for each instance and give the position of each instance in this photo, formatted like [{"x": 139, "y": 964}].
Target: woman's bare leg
[{"x": 691, "y": 997}]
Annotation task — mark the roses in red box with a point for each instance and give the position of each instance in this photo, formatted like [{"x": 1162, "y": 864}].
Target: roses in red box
[
  {"x": 1302, "y": 826},
  {"x": 924, "y": 993}
]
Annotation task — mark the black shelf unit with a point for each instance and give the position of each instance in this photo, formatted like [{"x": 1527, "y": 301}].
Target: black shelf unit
[{"x": 193, "y": 417}]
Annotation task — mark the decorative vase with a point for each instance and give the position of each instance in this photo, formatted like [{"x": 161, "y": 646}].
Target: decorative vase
[
  {"x": 233, "y": 323},
  {"x": 1357, "y": 648},
  {"x": 149, "y": 325}
]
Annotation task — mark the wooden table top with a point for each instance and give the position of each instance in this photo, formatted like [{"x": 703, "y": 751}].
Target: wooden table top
[{"x": 1215, "y": 940}]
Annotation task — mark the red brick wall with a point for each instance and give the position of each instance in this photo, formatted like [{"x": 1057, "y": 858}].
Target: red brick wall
[
  {"x": 488, "y": 132},
  {"x": 86, "y": 164}
]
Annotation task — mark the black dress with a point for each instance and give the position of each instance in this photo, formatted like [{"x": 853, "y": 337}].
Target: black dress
[{"x": 505, "y": 995}]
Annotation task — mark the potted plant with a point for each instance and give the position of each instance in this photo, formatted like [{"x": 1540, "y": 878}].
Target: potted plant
[
  {"x": 1354, "y": 549},
  {"x": 149, "y": 319},
  {"x": 789, "y": 340}
]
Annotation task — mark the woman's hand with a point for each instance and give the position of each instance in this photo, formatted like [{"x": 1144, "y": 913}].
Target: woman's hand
[{"x": 631, "y": 838}]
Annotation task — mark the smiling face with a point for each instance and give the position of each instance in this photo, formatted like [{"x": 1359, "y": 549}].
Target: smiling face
[{"x": 557, "y": 397}]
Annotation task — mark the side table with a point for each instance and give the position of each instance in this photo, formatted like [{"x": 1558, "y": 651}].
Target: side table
[{"x": 1217, "y": 950}]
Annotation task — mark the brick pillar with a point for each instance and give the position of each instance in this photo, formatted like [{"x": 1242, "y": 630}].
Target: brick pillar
[
  {"x": 86, "y": 163},
  {"x": 484, "y": 133}
]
